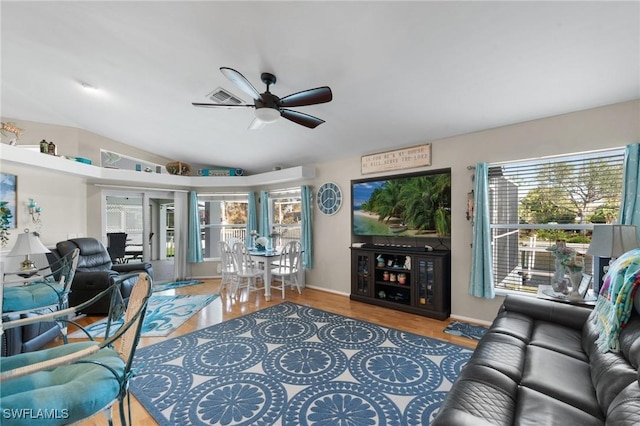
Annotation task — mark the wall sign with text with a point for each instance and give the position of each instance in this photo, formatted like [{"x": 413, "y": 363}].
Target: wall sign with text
[{"x": 406, "y": 158}]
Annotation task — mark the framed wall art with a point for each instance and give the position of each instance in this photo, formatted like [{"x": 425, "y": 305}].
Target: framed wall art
[{"x": 9, "y": 198}]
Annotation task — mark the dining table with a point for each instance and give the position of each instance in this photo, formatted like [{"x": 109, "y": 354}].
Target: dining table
[{"x": 265, "y": 258}]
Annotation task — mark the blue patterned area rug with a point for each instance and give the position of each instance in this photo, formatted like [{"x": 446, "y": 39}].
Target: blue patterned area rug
[
  {"x": 164, "y": 314},
  {"x": 175, "y": 284},
  {"x": 464, "y": 329},
  {"x": 294, "y": 365}
]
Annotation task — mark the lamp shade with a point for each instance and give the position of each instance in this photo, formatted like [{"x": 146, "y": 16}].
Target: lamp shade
[
  {"x": 612, "y": 240},
  {"x": 28, "y": 243}
]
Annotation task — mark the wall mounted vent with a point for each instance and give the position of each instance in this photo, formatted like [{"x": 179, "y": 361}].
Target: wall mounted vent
[{"x": 223, "y": 96}]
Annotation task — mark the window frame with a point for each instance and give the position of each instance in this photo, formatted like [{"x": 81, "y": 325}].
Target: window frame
[
  {"x": 286, "y": 232},
  {"x": 505, "y": 280},
  {"x": 213, "y": 252}
]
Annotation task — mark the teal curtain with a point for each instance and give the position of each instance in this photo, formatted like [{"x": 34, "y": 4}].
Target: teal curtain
[
  {"x": 481, "y": 280},
  {"x": 194, "y": 247},
  {"x": 265, "y": 226},
  {"x": 630, "y": 204},
  {"x": 307, "y": 226},
  {"x": 252, "y": 220}
]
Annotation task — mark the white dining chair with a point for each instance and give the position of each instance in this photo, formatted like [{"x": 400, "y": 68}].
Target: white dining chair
[
  {"x": 228, "y": 269},
  {"x": 247, "y": 272},
  {"x": 287, "y": 267}
]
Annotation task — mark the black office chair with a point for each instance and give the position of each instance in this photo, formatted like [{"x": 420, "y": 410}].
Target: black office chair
[
  {"x": 137, "y": 251},
  {"x": 116, "y": 246}
]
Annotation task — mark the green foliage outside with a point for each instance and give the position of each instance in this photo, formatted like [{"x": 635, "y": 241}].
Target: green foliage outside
[{"x": 572, "y": 194}]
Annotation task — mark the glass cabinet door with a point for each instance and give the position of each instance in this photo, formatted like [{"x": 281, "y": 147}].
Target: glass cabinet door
[
  {"x": 426, "y": 282},
  {"x": 362, "y": 283}
]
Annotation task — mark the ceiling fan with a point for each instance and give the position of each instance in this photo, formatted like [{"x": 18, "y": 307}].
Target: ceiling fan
[{"x": 269, "y": 107}]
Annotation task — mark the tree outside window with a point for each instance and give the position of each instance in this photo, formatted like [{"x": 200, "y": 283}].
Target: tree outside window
[{"x": 536, "y": 203}]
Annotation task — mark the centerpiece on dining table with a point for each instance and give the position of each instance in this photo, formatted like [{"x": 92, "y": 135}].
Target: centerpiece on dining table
[
  {"x": 261, "y": 243},
  {"x": 265, "y": 243}
]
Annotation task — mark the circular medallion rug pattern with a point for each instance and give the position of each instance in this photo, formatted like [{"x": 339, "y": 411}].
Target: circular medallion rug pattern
[{"x": 295, "y": 365}]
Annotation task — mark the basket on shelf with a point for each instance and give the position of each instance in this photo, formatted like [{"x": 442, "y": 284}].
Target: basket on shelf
[{"x": 178, "y": 168}]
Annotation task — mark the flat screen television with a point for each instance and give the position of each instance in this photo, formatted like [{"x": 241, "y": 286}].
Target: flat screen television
[{"x": 413, "y": 205}]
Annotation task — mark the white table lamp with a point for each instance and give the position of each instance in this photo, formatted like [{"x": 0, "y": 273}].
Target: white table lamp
[
  {"x": 612, "y": 241},
  {"x": 27, "y": 244}
]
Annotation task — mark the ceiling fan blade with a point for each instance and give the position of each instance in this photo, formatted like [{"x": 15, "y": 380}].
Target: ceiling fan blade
[
  {"x": 303, "y": 119},
  {"x": 319, "y": 95},
  {"x": 256, "y": 124},
  {"x": 239, "y": 80},
  {"x": 222, "y": 105}
]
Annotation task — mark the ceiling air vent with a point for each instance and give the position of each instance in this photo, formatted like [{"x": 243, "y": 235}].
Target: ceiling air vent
[{"x": 222, "y": 96}]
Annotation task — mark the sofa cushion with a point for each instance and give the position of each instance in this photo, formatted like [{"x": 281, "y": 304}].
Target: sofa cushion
[
  {"x": 611, "y": 371},
  {"x": 537, "y": 409},
  {"x": 467, "y": 404},
  {"x": 501, "y": 352},
  {"x": 562, "y": 377},
  {"x": 93, "y": 255},
  {"x": 558, "y": 338},
  {"x": 513, "y": 324},
  {"x": 625, "y": 409},
  {"x": 630, "y": 340}
]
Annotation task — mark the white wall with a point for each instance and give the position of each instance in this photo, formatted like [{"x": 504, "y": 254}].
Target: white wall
[{"x": 70, "y": 203}]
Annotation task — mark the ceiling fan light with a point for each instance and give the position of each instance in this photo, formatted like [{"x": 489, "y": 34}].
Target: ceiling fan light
[{"x": 267, "y": 115}]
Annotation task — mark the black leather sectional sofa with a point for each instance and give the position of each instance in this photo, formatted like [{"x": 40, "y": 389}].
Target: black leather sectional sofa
[{"x": 539, "y": 365}]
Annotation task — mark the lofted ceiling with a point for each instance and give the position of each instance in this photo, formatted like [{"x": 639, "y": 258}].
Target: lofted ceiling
[{"x": 402, "y": 73}]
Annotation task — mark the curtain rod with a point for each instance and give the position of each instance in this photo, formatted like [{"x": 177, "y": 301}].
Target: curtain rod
[{"x": 139, "y": 188}]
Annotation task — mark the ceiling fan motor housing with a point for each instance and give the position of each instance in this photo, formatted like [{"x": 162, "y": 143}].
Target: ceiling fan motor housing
[{"x": 268, "y": 79}]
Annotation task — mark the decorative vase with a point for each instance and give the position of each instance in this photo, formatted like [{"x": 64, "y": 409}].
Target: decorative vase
[
  {"x": 576, "y": 278},
  {"x": 558, "y": 276}
]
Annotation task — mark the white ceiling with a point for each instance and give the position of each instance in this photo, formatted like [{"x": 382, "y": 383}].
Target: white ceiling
[{"x": 402, "y": 73}]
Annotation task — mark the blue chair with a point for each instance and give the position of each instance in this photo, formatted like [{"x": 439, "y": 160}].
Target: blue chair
[
  {"x": 75, "y": 381},
  {"x": 46, "y": 291}
]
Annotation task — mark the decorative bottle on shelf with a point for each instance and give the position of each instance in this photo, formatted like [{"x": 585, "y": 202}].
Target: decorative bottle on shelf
[
  {"x": 52, "y": 148},
  {"x": 44, "y": 147}
]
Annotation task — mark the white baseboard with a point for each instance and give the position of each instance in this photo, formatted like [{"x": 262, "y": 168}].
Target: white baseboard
[
  {"x": 341, "y": 293},
  {"x": 473, "y": 320}
]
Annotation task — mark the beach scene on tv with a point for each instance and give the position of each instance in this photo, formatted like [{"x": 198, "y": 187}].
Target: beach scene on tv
[{"x": 418, "y": 206}]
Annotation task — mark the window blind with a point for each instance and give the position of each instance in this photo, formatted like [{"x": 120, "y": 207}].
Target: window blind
[{"x": 534, "y": 203}]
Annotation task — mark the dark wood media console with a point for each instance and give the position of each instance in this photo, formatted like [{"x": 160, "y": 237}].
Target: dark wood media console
[{"x": 402, "y": 278}]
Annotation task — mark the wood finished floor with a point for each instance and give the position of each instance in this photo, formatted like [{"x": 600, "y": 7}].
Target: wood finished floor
[{"x": 243, "y": 304}]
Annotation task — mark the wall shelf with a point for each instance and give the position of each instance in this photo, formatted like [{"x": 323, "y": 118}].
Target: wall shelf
[{"x": 95, "y": 174}]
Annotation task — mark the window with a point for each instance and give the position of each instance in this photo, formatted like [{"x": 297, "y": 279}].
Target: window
[
  {"x": 535, "y": 203},
  {"x": 286, "y": 213},
  {"x": 124, "y": 214},
  {"x": 223, "y": 217}
]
